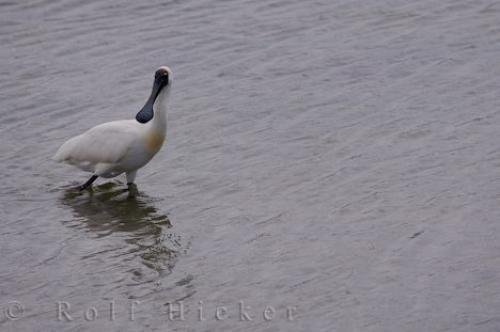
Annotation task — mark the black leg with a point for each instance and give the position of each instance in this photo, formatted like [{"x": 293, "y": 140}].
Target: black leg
[
  {"x": 88, "y": 183},
  {"x": 132, "y": 190}
]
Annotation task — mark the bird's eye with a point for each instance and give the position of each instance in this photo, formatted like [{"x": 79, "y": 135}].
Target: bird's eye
[{"x": 161, "y": 76}]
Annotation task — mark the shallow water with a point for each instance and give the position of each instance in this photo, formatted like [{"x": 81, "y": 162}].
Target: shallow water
[{"x": 335, "y": 161}]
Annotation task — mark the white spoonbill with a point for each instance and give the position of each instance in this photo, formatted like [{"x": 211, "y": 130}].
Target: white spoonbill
[{"x": 124, "y": 146}]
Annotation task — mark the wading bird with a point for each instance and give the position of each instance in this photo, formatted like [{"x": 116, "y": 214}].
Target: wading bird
[{"x": 124, "y": 146}]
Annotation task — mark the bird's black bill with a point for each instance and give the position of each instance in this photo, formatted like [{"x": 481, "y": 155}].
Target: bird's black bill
[{"x": 147, "y": 113}]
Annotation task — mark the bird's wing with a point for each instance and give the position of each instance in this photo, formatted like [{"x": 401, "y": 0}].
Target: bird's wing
[{"x": 105, "y": 143}]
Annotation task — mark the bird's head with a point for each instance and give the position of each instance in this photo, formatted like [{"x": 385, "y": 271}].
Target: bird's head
[
  {"x": 162, "y": 83},
  {"x": 163, "y": 77}
]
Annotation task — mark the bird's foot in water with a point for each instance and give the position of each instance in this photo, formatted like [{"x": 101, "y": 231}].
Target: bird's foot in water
[
  {"x": 88, "y": 183},
  {"x": 132, "y": 189}
]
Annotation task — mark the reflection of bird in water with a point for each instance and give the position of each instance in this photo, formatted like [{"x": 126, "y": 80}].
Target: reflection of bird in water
[{"x": 110, "y": 210}]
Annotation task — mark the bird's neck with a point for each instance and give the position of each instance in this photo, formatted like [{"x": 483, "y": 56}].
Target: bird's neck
[{"x": 159, "y": 122}]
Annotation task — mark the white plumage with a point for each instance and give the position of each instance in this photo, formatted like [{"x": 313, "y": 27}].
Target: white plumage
[{"x": 117, "y": 147}]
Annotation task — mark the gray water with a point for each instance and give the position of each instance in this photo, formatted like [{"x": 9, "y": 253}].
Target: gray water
[{"x": 335, "y": 161}]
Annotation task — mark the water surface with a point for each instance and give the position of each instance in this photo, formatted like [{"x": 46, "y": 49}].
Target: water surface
[{"x": 338, "y": 159}]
